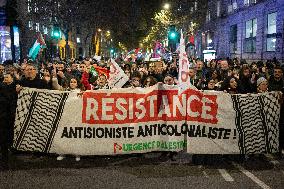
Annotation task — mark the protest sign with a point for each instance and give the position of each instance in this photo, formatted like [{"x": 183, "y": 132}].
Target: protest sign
[
  {"x": 117, "y": 77},
  {"x": 123, "y": 121}
]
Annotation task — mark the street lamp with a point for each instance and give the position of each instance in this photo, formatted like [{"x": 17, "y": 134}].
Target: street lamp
[{"x": 167, "y": 6}]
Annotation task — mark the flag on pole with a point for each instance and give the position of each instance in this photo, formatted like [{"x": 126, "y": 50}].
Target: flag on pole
[
  {"x": 183, "y": 77},
  {"x": 117, "y": 77},
  {"x": 39, "y": 43}
]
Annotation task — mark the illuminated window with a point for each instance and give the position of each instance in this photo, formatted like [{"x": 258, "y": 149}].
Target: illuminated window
[
  {"x": 208, "y": 16},
  {"x": 37, "y": 27},
  {"x": 234, "y": 4},
  {"x": 233, "y": 38},
  {"x": 250, "y": 35},
  {"x": 45, "y": 30},
  {"x": 218, "y": 8},
  {"x": 30, "y": 24},
  {"x": 29, "y": 8},
  {"x": 78, "y": 40},
  {"x": 249, "y": 2},
  {"x": 271, "y": 32}
]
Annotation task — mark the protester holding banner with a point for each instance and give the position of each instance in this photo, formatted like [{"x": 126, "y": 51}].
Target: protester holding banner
[
  {"x": 276, "y": 82},
  {"x": 231, "y": 85},
  {"x": 102, "y": 82},
  {"x": 8, "y": 101},
  {"x": 32, "y": 79},
  {"x": 262, "y": 85},
  {"x": 4, "y": 127}
]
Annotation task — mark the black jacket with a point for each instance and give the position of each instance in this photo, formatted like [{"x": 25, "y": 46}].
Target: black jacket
[
  {"x": 35, "y": 83},
  {"x": 275, "y": 85},
  {"x": 8, "y": 103}
]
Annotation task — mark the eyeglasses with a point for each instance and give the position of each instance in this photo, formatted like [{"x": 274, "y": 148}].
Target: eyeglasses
[
  {"x": 137, "y": 80},
  {"x": 31, "y": 69}
]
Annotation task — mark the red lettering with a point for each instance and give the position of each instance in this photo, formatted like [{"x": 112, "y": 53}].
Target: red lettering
[{"x": 122, "y": 108}]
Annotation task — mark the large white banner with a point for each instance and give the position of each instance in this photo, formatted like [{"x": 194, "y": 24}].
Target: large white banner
[{"x": 123, "y": 121}]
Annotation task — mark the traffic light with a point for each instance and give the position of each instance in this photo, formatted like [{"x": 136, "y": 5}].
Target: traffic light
[
  {"x": 173, "y": 34},
  {"x": 173, "y": 37},
  {"x": 111, "y": 50},
  {"x": 56, "y": 34}
]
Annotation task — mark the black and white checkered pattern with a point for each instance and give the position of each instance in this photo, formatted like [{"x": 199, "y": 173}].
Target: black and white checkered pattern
[
  {"x": 257, "y": 119},
  {"x": 37, "y": 118}
]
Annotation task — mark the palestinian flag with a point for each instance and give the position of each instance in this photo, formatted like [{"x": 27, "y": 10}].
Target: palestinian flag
[
  {"x": 39, "y": 43},
  {"x": 97, "y": 70}
]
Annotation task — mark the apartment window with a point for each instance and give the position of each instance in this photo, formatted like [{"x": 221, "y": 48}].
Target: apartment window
[
  {"x": 195, "y": 5},
  {"x": 78, "y": 40},
  {"x": 208, "y": 16},
  {"x": 234, "y": 4},
  {"x": 271, "y": 32},
  {"x": 29, "y": 6},
  {"x": 233, "y": 38},
  {"x": 209, "y": 39},
  {"x": 30, "y": 24},
  {"x": 230, "y": 8},
  {"x": 249, "y": 2},
  {"x": 37, "y": 27},
  {"x": 250, "y": 37},
  {"x": 218, "y": 8},
  {"x": 45, "y": 30}
]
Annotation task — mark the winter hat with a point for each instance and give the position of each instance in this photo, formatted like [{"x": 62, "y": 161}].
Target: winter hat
[{"x": 260, "y": 80}]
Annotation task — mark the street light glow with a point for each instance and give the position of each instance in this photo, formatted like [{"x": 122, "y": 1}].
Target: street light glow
[
  {"x": 167, "y": 6},
  {"x": 99, "y": 30}
]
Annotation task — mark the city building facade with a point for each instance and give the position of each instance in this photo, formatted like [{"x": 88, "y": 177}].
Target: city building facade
[
  {"x": 9, "y": 33},
  {"x": 246, "y": 29},
  {"x": 34, "y": 18}
]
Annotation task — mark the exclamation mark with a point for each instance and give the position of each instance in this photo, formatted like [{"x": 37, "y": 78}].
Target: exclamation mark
[{"x": 235, "y": 134}]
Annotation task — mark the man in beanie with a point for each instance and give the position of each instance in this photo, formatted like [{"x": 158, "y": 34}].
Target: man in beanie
[{"x": 262, "y": 85}]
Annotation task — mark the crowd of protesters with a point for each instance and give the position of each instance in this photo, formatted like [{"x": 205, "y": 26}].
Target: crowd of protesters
[{"x": 231, "y": 76}]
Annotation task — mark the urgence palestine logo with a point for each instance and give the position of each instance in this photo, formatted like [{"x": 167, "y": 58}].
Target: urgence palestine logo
[
  {"x": 162, "y": 145},
  {"x": 116, "y": 147}
]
